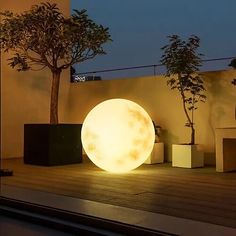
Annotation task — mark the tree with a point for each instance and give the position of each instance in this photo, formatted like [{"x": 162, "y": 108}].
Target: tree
[
  {"x": 44, "y": 37},
  {"x": 182, "y": 63},
  {"x": 233, "y": 64}
]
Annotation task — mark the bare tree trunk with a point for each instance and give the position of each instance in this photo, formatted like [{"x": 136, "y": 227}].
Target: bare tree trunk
[
  {"x": 190, "y": 123},
  {"x": 54, "y": 97},
  {"x": 192, "y": 135},
  {"x": 187, "y": 115}
]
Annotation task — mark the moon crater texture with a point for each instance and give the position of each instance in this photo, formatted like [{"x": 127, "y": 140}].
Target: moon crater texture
[{"x": 118, "y": 135}]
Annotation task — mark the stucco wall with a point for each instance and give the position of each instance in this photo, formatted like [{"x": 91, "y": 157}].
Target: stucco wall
[
  {"x": 164, "y": 106},
  {"x": 25, "y": 96}
]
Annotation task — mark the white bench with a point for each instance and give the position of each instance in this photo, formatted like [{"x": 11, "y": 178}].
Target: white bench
[{"x": 225, "y": 149}]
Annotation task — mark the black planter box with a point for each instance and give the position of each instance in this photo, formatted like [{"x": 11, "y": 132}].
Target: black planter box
[{"x": 50, "y": 145}]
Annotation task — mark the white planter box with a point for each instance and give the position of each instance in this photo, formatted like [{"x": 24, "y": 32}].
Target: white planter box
[
  {"x": 187, "y": 156},
  {"x": 157, "y": 154}
]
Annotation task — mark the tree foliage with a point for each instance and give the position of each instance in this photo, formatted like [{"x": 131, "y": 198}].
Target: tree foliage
[
  {"x": 182, "y": 63},
  {"x": 44, "y": 37},
  {"x": 233, "y": 64}
]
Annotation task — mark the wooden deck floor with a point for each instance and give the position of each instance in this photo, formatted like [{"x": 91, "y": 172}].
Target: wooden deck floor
[{"x": 199, "y": 194}]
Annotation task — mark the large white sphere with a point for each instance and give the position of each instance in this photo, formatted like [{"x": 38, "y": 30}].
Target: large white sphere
[{"x": 118, "y": 135}]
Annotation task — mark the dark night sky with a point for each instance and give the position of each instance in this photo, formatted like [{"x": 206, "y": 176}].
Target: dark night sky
[{"x": 139, "y": 29}]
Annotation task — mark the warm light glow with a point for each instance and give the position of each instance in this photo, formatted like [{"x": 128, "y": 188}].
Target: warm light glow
[{"x": 118, "y": 135}]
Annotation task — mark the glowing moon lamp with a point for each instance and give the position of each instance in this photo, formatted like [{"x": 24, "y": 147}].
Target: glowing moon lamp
[{"x": 118, "y": 135}]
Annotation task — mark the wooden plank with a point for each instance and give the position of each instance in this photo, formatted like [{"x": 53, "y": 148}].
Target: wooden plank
[{"x": 200, "y": 194}]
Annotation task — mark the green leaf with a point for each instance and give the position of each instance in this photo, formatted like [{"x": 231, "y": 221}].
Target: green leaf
[{"x": 43, "y": 36}]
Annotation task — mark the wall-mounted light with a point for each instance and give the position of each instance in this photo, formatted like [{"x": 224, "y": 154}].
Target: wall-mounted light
[{"x": 118, "y": 135}]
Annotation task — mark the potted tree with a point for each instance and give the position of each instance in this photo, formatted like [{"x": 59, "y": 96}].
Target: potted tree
[
  {"x": 182, "y": 63},
  {"x": 157, "y": 154},
  {"x": 233, "y": 64},
  {"x": 43, "y": 37}
]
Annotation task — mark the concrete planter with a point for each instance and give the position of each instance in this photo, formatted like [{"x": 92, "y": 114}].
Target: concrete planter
[
  {"x": 225, "y": 145},
  {"x": 50, "y": 145},
  {"x": 186, "y": 156},
  {"x": 157, "y": 154}
]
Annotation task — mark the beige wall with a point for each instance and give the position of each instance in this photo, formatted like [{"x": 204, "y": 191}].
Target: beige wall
[
  {"x": 25, "y": 99},
  {"x": 164, "y": 106},
  {"x": 25, "y": 95}
]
